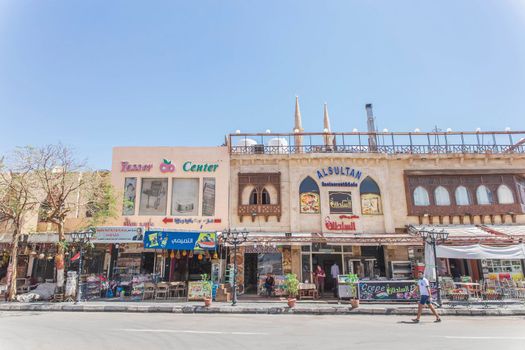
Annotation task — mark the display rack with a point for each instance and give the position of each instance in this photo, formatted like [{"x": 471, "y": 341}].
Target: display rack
[{"x": 401, "y": 270}]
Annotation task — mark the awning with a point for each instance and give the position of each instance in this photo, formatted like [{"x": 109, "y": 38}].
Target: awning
[{"x": 479, "y": 251}]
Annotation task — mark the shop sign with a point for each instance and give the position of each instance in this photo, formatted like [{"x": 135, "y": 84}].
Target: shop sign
[
  {"x": 391, "y": 290},
  {"x": 197, "y": 290},
  {"x": 180, "y": 240},
  {"x": 189, "y": 221},
  {"x": 341, "y": 223},
  {"x": 193, "y": 167},
  {"x": 340, "y": 202},
  {"x": 261, "y": 249},
  {"x": 129, "y": 223},
  {"x": 340, "y": 171},
  {"x": 126, "y": 167},
  {"x": 118, "y": 234}
]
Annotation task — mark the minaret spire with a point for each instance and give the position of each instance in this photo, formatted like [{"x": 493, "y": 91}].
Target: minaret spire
[
  {"x": 298, "y": 128},
  {"x": 328, "y": 138}
]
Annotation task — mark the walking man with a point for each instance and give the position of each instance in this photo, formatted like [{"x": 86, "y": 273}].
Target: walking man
[{"x": 425, "y": 293}]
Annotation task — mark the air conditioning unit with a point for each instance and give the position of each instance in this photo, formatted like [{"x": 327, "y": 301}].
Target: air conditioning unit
[{"x": 258, "y": 149}]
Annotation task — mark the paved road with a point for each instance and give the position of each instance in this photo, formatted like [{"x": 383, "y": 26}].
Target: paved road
[{"x": 122, "y": 331}]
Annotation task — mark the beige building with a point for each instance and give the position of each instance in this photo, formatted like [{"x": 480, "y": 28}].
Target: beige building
[{"x": 346, "y": 198}]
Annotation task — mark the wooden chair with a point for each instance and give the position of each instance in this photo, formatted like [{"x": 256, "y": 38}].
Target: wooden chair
[
  {"x": 161, "y": 293},
  {"x": 177, "y": 290},
  {"x": 149, "y": 291}
]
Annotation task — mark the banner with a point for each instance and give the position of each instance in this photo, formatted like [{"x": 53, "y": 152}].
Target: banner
[
  {"x": 180, "y": 240},
  {"x": 118, "y": 234},
  {"x": 391, "y": 290}
]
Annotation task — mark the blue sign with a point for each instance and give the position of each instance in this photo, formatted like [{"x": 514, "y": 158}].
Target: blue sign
[{"x": 180, "y": 240}]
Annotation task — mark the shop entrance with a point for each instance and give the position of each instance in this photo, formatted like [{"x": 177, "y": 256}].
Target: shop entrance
[
  {"x": 250, "y": 273},
  {"x": 326, "y": 261}
]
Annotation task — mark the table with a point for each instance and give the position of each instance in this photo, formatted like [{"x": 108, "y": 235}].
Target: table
[
  {"x": 308, "y": 291},
  {"x": 473, "y": 289}
]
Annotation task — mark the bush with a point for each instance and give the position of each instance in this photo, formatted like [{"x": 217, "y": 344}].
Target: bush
[{"x": 291, "y": 284}]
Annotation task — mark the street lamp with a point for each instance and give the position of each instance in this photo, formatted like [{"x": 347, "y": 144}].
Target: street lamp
[
  {"x": 432, "y": 237},
  {"x": 236, "y": 238},
  {"x": 82, "y": 239}
]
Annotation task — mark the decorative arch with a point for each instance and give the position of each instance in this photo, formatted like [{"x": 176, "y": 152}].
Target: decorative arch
[
  {"x": 441, "y": 196},
  {"x": 505, "y": 195},
  {"x": 370, "y": 197},
  {"x": 484, "y": 195},
  {"x": 309, "y": 197},
  {"x": 462, "y": 196},
  {"x": 421, "y": 198}
]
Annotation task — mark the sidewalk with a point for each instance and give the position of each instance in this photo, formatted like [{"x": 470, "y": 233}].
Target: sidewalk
[{"x": 270, "y": 307}]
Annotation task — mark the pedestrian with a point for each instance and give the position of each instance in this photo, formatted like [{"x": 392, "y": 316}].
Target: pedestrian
[
  {"x": 320, "y": 276},
  {"x": 334, "y": 271},
  {"x": 269, "y": 283},
  {"x": 425, "y": 293}
]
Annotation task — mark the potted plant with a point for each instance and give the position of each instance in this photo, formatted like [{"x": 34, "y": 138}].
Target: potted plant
[
  {"x": 354, "y": 301},
  {"x": 291, "y": 284},
  {"x": 206, "y": 288}
]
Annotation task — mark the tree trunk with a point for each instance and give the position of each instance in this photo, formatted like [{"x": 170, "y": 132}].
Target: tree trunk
[
  {"x": 13, "y": 265},
  {"x": 59, "y": 258}
]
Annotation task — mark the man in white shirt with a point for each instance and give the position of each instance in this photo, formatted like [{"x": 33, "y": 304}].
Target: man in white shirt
[
  {"x": 425, "y": 293},
  {"x": 334, "y": 272}
]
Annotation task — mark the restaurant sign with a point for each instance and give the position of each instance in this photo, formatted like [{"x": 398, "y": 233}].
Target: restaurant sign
[
  {"x": 341, "y": 223},
  {"x": 340, "y": 202},
  {"x": 118, "y": 234},
  {"x": 391, "y": 290},
  {"x": 180, "y": 240},
  {"x": 352, "y": 175}
]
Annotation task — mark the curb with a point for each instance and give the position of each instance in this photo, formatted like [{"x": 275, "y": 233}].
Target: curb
[{"x": 192, "y": 309}]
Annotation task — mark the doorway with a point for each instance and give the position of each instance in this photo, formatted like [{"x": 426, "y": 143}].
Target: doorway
[
  {"x": 326, "y": 261},
  {"x": 250, "y": 273}
]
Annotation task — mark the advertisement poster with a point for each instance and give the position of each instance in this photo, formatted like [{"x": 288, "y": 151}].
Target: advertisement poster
[
  {"x": 180, "y": 240},
  {"x": 118, "y": 234},
  {"x": 309, "y": 203},
  {"x": 153, "y": 199},
  {"x": 197, "y": 291},
  {"x": 370, "y": 204},
  {"x": 185, "y": 197},
  {"x": 208, "y": 196},
  {"x": 130, "y": 193},
  {"x": 391, "y": 290},
  {"x": 340, "y": 202}
]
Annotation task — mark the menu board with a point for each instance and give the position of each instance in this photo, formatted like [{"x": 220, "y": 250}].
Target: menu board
[
  {"x": 391, "y": 290},
  {"x": 196, "y": 290}
]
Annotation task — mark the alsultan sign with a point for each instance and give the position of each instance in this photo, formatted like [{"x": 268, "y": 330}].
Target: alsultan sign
[
  {"x": 339, "y": 170},
  {"x": 341, "y": 223}
]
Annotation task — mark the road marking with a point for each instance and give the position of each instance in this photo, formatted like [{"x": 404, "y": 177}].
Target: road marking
[
  {"x": 189, "y": 331},
  {"x": 485, "y": 338}
]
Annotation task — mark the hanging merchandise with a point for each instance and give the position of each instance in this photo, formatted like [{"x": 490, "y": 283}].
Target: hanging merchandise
[
  {"x": 177, "y": 255},
  {"x": 215, "y": 255},
  {"x": 41, "y": 256},
  {"x": 199, "y": 256},
  {"x": 172, "y": 255},
  {"x": 184, "y": 253},
  {"x": 191, "y": 254}
]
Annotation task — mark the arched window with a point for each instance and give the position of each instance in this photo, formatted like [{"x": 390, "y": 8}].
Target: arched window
[
  {"x": 370, "y": 197},
  {"x": 484, "y": 195},
  {"x": 441, "y": 196},
  {"x": 462, "y": 196},
  {"x": 505, "y": 195},
  {"x": 309, "y": 199},
  {"x": 421, "y": 197},
  {"x": 265, "y": 197},
  {"x": 253, "y": 197}
]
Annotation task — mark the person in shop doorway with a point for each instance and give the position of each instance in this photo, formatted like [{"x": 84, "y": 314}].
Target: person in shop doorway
[
  {"x": 334, "y": 271},
  {"x": 269, "y": 283},
  {"x": 425, "y": 293},
  {"x": 320, "y": 275}
]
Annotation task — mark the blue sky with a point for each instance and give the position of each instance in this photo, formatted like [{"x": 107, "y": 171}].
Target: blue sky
[{"x": 98, "y": 74}]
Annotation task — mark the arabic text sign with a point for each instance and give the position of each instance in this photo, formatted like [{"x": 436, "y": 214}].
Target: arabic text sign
[
  {"x": 118, "y": 234},
  {"x": 391, "y": 290},
  {"x": 180, "y": 240}
]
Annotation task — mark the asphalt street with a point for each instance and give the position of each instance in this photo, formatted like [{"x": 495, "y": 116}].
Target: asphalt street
[{"x": 127, "y": 331}]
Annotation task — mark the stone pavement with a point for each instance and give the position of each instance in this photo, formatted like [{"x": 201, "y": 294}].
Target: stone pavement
[{"x": 268, "y": 307}]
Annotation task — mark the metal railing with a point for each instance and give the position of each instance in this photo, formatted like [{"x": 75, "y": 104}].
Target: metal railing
[{"x": 492, "y": 142}]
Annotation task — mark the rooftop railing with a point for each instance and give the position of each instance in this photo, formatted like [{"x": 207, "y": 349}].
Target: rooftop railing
[{"x": 486, "y": 142}]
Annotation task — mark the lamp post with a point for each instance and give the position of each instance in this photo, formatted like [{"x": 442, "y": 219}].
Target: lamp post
[
  {"x": 235, "y": 238},
  {"x": 81, "y": 238},
  {"x": 432, "y": 237}
]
